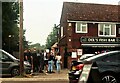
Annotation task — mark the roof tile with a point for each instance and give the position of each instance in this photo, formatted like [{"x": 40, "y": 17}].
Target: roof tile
[{"x": 90, "y": 12}]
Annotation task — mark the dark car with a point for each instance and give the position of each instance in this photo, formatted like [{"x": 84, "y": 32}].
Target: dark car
[
  {"x": 108, "y": 66},
  {"x": 9, "y": 65},
  {"x": 76, "y": 68}
]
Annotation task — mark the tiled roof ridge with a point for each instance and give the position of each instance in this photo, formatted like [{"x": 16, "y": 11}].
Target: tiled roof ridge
[{"x": 90, "y": 3}]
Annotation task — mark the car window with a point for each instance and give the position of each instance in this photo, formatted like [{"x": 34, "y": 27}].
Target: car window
[
  {"x": 85, "y": 56},
  {"x": 5, "y": 57},
  {"x": 112, "y": 57}
]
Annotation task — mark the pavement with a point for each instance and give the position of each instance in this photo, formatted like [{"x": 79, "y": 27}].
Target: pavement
[{"x": 63, "y": 75}]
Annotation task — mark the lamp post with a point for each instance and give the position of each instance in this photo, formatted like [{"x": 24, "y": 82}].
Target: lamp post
[
  {"x": 57, "y": 27},
  {"x": 9, "y": 36},
  {"x": 21, "y": 38}
]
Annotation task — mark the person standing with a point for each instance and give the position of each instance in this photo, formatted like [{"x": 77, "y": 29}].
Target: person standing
[
  {"x": 25, "y": 55},
  {"x": 50, "y": 63},
  {"x": 35, "y": 61},
  {"x": 29, "y": 56},
  {"x": 41, "y": 61},
  {"x": 46, "y": 61},
  {"x": 58, "y": 62}
]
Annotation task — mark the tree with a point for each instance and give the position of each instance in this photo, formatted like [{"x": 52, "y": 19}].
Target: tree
[
  {"x": 10, "y": 30},
  {"x": 52, "y": 38},
  {"x": 25, "y": 42}
]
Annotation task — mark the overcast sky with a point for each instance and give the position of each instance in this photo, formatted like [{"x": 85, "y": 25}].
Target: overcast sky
[{"x": 41, "y": 15}]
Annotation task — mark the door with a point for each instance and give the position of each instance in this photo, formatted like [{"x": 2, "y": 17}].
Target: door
[{"x": 6, "y": 62}]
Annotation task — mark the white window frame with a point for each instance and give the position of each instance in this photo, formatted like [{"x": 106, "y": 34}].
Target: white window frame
[
  {"x": 61, "y": 31},
  {"x": 104, "y": 27},
  {"x": 81, "y": 25}
]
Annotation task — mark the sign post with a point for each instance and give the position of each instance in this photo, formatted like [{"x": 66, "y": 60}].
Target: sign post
[
  {"x": 90, "y": 73},
  {"x": 85, "y": 73}
]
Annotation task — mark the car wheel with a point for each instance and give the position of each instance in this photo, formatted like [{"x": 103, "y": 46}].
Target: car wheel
[
  {"x": 15, "y": 72},
  {"x": 109, "y": 79}
]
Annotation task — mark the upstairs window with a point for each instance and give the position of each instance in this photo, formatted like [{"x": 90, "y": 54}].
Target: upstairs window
[
  {"x": 107, "y": 30},
  {"x": 81, "y": 27},
  {"x": 61, "y": 31}
]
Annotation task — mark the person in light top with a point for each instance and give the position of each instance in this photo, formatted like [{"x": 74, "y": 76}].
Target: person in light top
[{"x": 58, "y": 63}]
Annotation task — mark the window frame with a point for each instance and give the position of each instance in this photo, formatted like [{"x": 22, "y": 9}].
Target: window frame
[
  {"x": 104, "y": 27},
  {"x": 61, "y": 30},
  {"x": 81, "y": 24}
]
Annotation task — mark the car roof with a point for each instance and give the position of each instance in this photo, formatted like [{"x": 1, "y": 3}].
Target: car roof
[
  {"x": 99, "y": 55},
  {"x": 86, "y": 55}
]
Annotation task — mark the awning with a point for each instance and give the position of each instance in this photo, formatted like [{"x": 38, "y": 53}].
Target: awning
[
  {"x": 55, "y": 45},
  {"x": 100, "y": 45}
]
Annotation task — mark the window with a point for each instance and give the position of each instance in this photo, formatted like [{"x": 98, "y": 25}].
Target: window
[
  {"x": 108, "y": 30},
  {"x": 81, "y": 27},
  {"x": 113, "y": 57},
  {"x": 118, "y": 30},
  {"x": 5, "y": 57},
  {"x": 61, "y": 31}
]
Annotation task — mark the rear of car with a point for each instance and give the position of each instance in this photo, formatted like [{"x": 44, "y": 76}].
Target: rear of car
[
  {"x": 76, "y": 68},
  {"x": 108, "y": 66},
  {"x": 75, "y": 72}
]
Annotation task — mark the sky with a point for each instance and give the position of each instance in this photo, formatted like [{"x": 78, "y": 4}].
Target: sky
[{"x": 41, "y": 15}]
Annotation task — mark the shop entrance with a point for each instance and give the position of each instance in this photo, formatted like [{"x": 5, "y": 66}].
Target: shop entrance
[{"x": 92, "y": 50}]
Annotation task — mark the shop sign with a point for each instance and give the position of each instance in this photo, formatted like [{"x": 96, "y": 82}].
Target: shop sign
[
  {"x": 74, "y": 55},
  {"x": 79, "y": 51},
  {"x": 100, "y": 40}
]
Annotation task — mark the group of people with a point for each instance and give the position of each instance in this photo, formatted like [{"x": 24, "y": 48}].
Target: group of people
[
  {"x": 35, "y": 58},
  {"x": 41, "y": 60},
  {"x": 54, "y": 60}
]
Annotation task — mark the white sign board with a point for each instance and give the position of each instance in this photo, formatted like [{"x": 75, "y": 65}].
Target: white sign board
[
  {"x": 85, "y": 73},
  {"x": 74, "y": 55},
  {"x": 79, "y": 51}
]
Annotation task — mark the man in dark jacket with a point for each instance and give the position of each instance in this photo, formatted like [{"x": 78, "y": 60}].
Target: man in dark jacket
[
  {"x": 35, "y": 61},
  {"x": 50, "y": 63},
  {"x": 40, "y": 56}
]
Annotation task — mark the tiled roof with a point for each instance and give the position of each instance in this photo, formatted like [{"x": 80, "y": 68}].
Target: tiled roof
[{"x": 89, "y": 12}]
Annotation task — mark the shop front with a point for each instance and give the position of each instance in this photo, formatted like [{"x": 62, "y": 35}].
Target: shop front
[{"x": 99, "y": 44}]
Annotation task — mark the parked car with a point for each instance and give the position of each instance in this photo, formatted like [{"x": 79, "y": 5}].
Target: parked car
[
  {"x": 9, "y": 65},
  {"x": 85, "y": 56},
  {"x": 76, "y": 68},
  {"x": 108, "y": 66}
]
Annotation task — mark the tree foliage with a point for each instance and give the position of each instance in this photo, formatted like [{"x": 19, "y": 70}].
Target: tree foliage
[
  {"x": 10, "y": 29},
  {"x": 52, "y": 38},
  {"x": 37, "y": 46}
]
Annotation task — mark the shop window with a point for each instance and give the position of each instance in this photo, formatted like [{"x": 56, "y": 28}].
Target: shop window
[{"x": 61, "y": 31}]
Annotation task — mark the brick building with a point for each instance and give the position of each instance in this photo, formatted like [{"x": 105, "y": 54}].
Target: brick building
[{"x": 88, "y": 28}]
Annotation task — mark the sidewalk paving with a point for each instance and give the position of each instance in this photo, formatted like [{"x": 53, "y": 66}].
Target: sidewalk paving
[{"x": 63, "y": 75}]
